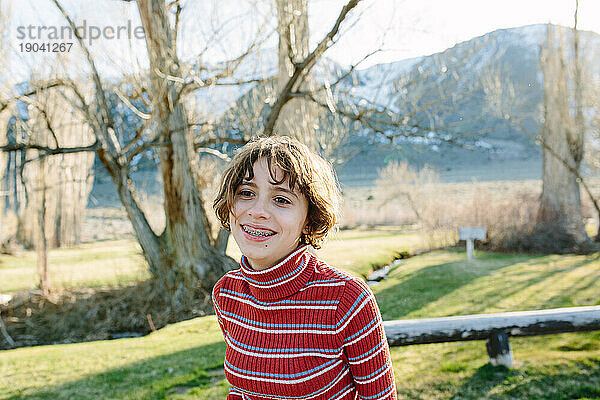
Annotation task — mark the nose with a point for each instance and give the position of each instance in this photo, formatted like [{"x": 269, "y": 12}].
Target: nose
[{"x": 258, "y": 209}]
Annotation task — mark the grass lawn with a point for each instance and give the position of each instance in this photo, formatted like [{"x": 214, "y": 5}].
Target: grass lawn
[
  {"x": 106, "y": 263},
  {"x": 185, "y": 360},
  {"x": 120, "y": 262}
]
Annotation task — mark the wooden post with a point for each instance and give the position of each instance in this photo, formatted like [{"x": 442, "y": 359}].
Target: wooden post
[
  {"x": 498, "y": 348},
  {"x": 470, "y": 248},
  {"x": 469, "y": 234}
]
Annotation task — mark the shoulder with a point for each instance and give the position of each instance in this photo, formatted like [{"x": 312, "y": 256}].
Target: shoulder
[
  {"x": 232, "y": 280},
  {"x": 353, "y": 286}
]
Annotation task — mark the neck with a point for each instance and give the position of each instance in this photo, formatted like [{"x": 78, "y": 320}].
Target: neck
[{"x": 258, "y": 266}]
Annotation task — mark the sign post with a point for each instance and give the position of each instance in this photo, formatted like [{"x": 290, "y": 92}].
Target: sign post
[{"x": 469, "y": 234}]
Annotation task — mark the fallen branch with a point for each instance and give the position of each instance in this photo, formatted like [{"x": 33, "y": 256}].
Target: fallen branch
[{"x": 10, "y": 341}]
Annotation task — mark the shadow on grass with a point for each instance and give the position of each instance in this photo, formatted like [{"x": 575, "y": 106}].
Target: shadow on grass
[
  {"x": 480, "y": 383},
  {"x": 431, "y": 283},
  {"x": 497, "y": 294},
  {"x": 559, "y": 382},
  {"x": 182, "y": 372}
]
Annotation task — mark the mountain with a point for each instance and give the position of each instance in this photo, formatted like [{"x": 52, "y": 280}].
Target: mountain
[
  {"x": 490, "y": 84},
  {"x": 507, "y": 61},
  {"x": 487, "y": 83}
]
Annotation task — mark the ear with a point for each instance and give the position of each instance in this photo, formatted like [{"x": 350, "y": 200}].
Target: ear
[{"x": 305, "y": 229}]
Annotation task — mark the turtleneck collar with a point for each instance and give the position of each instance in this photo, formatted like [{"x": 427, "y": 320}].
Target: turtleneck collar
[{"x": 282, "y": 279}]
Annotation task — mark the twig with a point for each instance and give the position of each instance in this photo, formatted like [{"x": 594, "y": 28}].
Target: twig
[{"x": 149, "y": 317}]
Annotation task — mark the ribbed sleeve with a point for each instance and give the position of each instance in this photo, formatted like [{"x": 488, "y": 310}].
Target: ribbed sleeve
[
  {"x": 364, "y": 342},
  {"x": 233, "y": 395}
]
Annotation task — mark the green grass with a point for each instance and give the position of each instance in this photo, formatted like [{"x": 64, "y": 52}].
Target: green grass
[
  {"x": 120, "y": 262},
  {"x": 109, "y": 263},
  {"x": 184, "y": 361}
]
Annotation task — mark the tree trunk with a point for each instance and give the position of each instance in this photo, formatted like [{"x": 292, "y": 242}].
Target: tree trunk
[
  {"x": 560, "y": 202},
  {"x": 190, "y": 258},
  {"x": 41, "y": 243},
  {"x": 298, "y": 116},
  {"x": 4, "y": 117}
]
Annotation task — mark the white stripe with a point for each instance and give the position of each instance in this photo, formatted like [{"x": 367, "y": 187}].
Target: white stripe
[
  {"x": 392, "y": 390},
  {"x": 368, "y": 358},
  {"x": 284, "y": 355},
  {"x": 237, "y": 277},
  {"x": 319, "y": 332},
  {"x": 255, "y": 305},
  {"x": 278, "y": 283},
  {"x": 371, "y": 296},
  {"x": 363, "y": 335},
  {"x": 385, "y": 371},
  {"x": 342, "y": 283},
  {"x": 284, "y": 381},
  {"x": 317, "y": 393},
  {"x": 271, "y": 268},
  {"x": 343, "y": 394}
]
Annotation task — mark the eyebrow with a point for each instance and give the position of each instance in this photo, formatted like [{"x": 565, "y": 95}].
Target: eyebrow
[{"x": 276, "y": 187}]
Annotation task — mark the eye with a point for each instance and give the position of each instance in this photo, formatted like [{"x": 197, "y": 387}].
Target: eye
[
  {"x": 282, "y": 200},
  {"x": 245, "y": 193}
]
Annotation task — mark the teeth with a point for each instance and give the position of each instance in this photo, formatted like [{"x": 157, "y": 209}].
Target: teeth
[{"x": 256, "y": 232}]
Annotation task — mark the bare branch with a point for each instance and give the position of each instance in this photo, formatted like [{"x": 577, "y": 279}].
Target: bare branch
[
  {"x": 125, "y": 100},
  {"x": 214, "y": 152},
  {"x": 230, "y": 67},
  {"x": 304, "y": 67},
  {"x": 49, "y": 150},
  {"x": 210, "y": 141},
  {"x": 45, "y": 86},
  {"x": 95, "y": 74}
]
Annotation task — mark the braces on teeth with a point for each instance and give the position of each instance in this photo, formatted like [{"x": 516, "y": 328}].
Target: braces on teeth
[{"x": 257, "y": 232}]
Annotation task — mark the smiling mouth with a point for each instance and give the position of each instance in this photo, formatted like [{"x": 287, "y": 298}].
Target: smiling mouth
[{"x": 257, "y": 232}]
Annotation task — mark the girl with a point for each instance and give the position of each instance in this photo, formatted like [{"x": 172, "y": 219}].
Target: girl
[{"x": 295, "y": 327}]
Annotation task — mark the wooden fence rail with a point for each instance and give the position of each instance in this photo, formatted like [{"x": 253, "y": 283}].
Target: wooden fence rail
[{"x": 494, "y": 328}]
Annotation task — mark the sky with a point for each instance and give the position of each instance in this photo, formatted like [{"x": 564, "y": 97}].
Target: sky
[{"x": 399, "y": 28}]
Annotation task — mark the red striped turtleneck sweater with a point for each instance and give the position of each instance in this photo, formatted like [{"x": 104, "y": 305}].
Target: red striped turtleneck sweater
[{"x": 302, "y": 330}]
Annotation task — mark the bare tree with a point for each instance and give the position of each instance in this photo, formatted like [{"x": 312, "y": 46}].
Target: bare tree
[
  {"x": 67, "y": 177},
  {"x": 186, "y": 255},
  {"x": 4, "y": 117},
  {"x": 562, "y": 138},
  {"x": 298, "y": 117}
]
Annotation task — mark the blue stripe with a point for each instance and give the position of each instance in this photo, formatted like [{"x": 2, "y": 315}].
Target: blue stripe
[
  {"x": 362, "y": 329},
  {"x": 344, "y": 277},
  {"x": 299, "y": 325},
  {"x": 280, "y": 278},
  {"x": 338, "y": 393},
  {"x": 324, "y": 281},
  {"x": 288, "y": 350},
  {"x": 281, "y": 301},
  {"x": 354, "y": 305},
  {"x": 374, "y": 373},
  {"x": 297, "y": 375},
  {"x": 367, "y": 353},
  {"x": 322, "y": 390},
  {"x": 267, "y": 325},
  {"x": 378, "y": 394}
]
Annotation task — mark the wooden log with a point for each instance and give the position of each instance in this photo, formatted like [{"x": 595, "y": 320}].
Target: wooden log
[{"x": 482, "y": 326}]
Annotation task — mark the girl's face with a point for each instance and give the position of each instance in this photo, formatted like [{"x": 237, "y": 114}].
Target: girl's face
[{"x": 267, "y": 219}]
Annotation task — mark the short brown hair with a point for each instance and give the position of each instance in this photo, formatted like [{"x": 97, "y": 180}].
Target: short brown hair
[{"x": 311, "y": 174}]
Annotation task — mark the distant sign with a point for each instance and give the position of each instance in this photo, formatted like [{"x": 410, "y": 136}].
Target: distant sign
[{"x": 471, "y": 232}]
